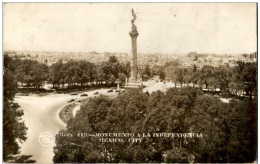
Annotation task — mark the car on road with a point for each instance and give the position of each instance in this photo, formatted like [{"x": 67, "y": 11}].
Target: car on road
[
  {"x": 73, "y": 94},
  {"x": 95, "y": 93},
  {"x": 71, "y": 100},
  {"x": 84, "y": 94},
  {"x": 111, "y": 90},
  {"x": 22, "y": 94}
]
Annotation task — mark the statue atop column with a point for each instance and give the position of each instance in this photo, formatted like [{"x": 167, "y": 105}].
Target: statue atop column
[{"x": 134, "y": 28}]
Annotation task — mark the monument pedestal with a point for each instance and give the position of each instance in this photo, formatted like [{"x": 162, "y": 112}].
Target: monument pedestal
[{"x": 133, "y": 84}]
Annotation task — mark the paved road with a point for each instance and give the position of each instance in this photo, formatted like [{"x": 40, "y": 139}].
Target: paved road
[{"x": 40, "y": 115}]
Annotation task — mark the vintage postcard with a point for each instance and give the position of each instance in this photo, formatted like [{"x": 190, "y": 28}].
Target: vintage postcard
[{"x": 130, "y": 82}]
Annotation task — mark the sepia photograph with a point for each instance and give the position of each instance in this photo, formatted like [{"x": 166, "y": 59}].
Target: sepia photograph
[{"x": 129, "y": 82}]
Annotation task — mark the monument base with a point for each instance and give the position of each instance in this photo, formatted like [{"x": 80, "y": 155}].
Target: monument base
[{"x": 133, "y": 85}]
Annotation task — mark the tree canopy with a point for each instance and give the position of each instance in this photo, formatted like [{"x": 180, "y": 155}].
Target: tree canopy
[{"x": 227, "y": 131}]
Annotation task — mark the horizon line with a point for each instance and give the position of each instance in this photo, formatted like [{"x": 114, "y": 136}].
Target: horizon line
[{"x": 200, "y": 53}]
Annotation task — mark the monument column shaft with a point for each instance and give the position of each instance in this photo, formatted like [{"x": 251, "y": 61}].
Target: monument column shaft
[
  {"x": 134, "y": 81},
  {"x": 134, "y": 59}
]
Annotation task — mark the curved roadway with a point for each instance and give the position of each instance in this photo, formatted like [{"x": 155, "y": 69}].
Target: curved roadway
[{"x": 40, "y": 115}]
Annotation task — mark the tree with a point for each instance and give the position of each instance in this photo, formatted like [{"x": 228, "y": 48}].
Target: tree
[
  {"x": 243, "y": 78},
  {"x": 249, "y": 77},
  {"x": 145, "y": 77},
  {"x": 241, "y": 127},
  {"x": 112, "y": 59},
  {"x": 206, "y": 74},
  {"x": 223, "y": 75},
  {"x": 100, "y": 76},
  {"x": 180, "y": 75},
  {"x": 194, "y": 68},
  {"x": 147, "y": 71},
  {"x": 208, "y": 119},
  {"x": 14, "y": 129},
  {"x": 20, "y": 75},
  {"x": 38, "y": 74},
  {"x": 122, "y": 78},
  {"x": 161, "y": 73},
  {"x": 188, "y": 77},
  {"x": 56, "y": 73},
  {"x": 111, "y": 69},
  {"x": 125, "y": 68}
]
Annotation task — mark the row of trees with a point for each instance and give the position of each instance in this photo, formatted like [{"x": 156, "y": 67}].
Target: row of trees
[
  {"x": 72, "y": 73},
  {"x": 242, "y": 77},
  {"x": 229, "y": 130},
  {"x": 85, "y": 73}
]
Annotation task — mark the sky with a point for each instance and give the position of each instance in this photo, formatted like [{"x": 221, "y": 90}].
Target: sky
[{"x": 220, "y": 28}]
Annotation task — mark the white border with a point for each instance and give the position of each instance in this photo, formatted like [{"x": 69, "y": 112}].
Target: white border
[{"x": 107, "y": 1}]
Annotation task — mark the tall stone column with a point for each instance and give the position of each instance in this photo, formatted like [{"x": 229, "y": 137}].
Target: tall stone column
[
  {"x": 134, "y": 81},
  {"x": 134, "y": 35}
]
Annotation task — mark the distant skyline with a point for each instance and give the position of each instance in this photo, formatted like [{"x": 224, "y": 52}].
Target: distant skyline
[{"x": 219, "y": 28}]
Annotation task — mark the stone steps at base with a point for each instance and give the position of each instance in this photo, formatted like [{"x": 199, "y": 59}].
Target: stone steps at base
[
  {"x": 134, "y": 87},
  {"x": 133, "y": 84}
]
